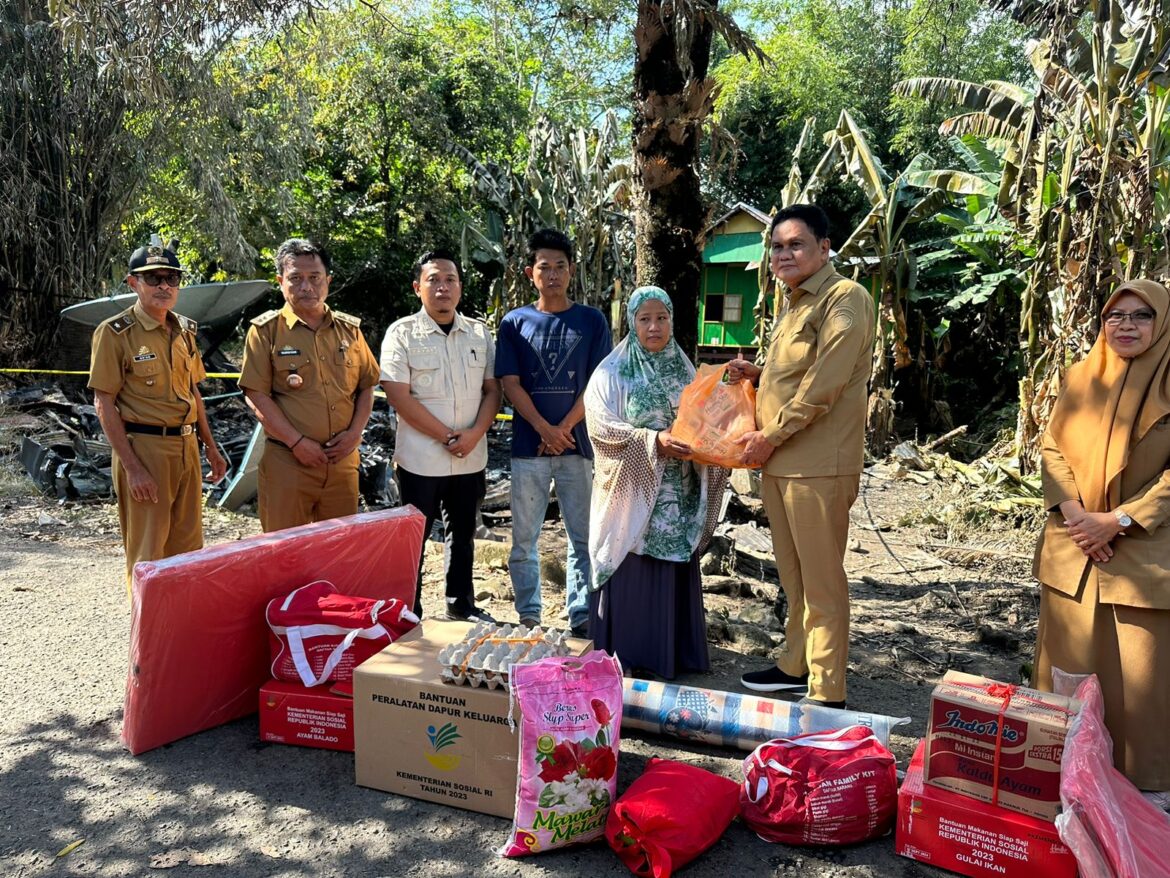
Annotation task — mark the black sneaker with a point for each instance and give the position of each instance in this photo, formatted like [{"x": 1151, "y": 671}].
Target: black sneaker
[
  {"x": 816, "y": 702},
  {"x": 474, "y": 614},
  {"x": 530, "y": 621},
  {"x": 773, "y": 680}
]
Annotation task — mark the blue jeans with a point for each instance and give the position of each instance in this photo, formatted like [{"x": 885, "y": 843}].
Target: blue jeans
[{"x": 573, "y": 475}]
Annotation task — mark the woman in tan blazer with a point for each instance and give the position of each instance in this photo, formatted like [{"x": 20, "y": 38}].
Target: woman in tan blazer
[{"x": 1103, "y": 560}]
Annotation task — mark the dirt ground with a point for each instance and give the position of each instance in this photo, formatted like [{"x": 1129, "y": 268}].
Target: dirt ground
[{"x": 223, "y": 803}]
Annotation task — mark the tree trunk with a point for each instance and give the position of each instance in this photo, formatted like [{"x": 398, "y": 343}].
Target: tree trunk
[{"x": 671, "y": 103}]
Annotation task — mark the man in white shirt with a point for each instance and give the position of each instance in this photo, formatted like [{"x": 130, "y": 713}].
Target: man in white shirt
[{"x": 438, "y": 374}]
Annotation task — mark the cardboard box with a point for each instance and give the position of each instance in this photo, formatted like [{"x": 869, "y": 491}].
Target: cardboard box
[
  {"x": 966, "y": 714},
  {"x": 293, "y": 714},
  {"x": 417, "y": 736},
  {"x": 955, "y": 832}
]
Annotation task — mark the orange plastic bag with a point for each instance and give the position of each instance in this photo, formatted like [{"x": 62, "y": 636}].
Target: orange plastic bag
[{"x": 712, "y": 414}]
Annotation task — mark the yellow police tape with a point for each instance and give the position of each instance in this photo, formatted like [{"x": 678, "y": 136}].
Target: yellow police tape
[
  {"x": 41, "y": 372},
  {"x": 71, "y": 372},
  {"x": 499, "y": 417}
]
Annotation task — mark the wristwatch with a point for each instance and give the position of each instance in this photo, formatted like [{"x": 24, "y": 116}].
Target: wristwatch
[{"x": 1122, "y": 519}]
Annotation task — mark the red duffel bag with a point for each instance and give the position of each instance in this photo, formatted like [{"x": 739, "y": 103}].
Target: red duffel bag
[
  {"x": 823, "y": 788},
  {"x": 318, "y": 634}
]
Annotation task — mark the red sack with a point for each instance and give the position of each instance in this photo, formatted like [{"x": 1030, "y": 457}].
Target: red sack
[
  {"x": 713, "y": 414},
  {"x": 669, "y": 816},
  {"x": 318, "y": 634},
  {"x": 821, "y": 788}
]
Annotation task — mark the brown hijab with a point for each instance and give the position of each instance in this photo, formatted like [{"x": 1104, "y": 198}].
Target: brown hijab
[{"x": 1108, "y": 402}]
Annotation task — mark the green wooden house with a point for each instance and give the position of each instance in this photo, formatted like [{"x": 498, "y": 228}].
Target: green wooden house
[{"x": 731, "y": 257}]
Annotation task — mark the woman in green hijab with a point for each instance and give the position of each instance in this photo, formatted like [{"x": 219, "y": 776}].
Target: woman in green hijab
[{"x": 652, "y": 509}]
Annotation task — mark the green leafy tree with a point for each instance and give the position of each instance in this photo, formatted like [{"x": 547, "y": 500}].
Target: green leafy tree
[
  {"x": 835, "y": 56},
  {"x": 339, "y": 129},
  {"x": 576, "y": 180},
  {"x": 673, "y": 101}
]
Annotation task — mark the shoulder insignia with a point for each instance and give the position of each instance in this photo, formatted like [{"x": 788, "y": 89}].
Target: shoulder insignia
[
  {"x": 347, "y": 318},
  {"x": 122, "y": 322},
  {"x": 266, "y": 317},
  {"x": 187, "y": 324}
]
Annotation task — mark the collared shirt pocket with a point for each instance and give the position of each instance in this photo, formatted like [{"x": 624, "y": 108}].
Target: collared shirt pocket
[
  {"x": 798, "y": 344},
  {"x": 475, "y": 365},
  {"x": 347, "y": 369},
  {"x": 426, "y": 379},
  {"x": 182, "y": 370},
  {"x": 147, "y": 379}
]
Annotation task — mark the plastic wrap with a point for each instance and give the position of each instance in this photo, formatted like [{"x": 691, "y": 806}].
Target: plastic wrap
[
  {"x": 730, "y": 719},
  {"x": 1106, "y": 822},
  {"x": 198, "y": 639}
]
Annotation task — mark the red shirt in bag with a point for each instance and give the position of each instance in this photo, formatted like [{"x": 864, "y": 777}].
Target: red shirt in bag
[{"x": 823, "y": 788}]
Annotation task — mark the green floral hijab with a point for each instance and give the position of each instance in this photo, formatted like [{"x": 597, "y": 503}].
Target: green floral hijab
[{"x": 653, "y": 382}]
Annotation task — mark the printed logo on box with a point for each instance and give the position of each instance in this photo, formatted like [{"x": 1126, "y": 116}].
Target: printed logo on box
[
  {"x": 989, "y": 729},
  {"x": 441, "y": 739}
]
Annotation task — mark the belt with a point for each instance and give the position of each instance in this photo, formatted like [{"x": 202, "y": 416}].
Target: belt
[{"x": 153, "y": 430}]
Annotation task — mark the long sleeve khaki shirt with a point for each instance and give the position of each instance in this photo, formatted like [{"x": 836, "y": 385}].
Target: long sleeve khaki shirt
[
  {"x": 1138, "y": 574},
  {"x": 812, "y": 397}
]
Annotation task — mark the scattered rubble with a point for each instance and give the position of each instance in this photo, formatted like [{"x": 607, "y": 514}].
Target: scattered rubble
[{"x": 63, "y": 451}]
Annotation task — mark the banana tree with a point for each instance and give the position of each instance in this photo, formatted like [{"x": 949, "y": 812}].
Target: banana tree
[
  {"x": 1085, "y": 181},
  {"x": 881, "y": 243},
  {"x": 573, "y": 180},
  {"x": 880, "y": 246},
  {"x": 761, "y": 314}
]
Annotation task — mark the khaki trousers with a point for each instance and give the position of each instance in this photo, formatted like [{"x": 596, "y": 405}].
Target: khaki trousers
[
  {"x": 291, "y": 494},
  {"x": 174, "y": 524},
  {"x": 810, "y": 524}
]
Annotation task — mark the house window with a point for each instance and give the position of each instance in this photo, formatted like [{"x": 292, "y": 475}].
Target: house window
[
  {"x": 713, "y": 310},
  {"x": 732, "y": 308}
]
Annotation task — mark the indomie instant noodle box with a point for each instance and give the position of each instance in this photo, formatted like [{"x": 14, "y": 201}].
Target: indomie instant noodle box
[
  {"x": 998, "y": 743},
  {"x": 958, "y": 833}
]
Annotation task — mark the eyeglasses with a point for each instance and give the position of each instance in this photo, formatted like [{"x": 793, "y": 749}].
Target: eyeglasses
[
  {"x": 158, "y": 278},
  {"x": 1139, "y": 318}
]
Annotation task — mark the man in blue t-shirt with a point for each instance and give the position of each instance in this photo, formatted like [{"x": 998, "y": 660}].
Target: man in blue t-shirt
[{"x": 545, "y": 353}]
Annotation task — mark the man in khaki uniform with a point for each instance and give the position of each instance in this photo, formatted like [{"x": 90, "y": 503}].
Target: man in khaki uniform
[
  {"x": 145, "y": 368},
  {"x": 309, "y": 376},
  {"x": 810, "y": 411}
]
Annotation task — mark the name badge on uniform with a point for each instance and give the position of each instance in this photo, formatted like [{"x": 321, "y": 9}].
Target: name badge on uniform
[
  {"x": 144, "y": 354},
  {"x": 287, "y": 351}
]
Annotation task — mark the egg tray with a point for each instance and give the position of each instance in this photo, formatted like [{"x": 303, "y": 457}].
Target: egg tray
[{"x": 484, "y": 655}]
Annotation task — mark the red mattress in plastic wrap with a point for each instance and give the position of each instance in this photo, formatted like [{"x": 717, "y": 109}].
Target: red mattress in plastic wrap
[{"x": 198, "y": 639}]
